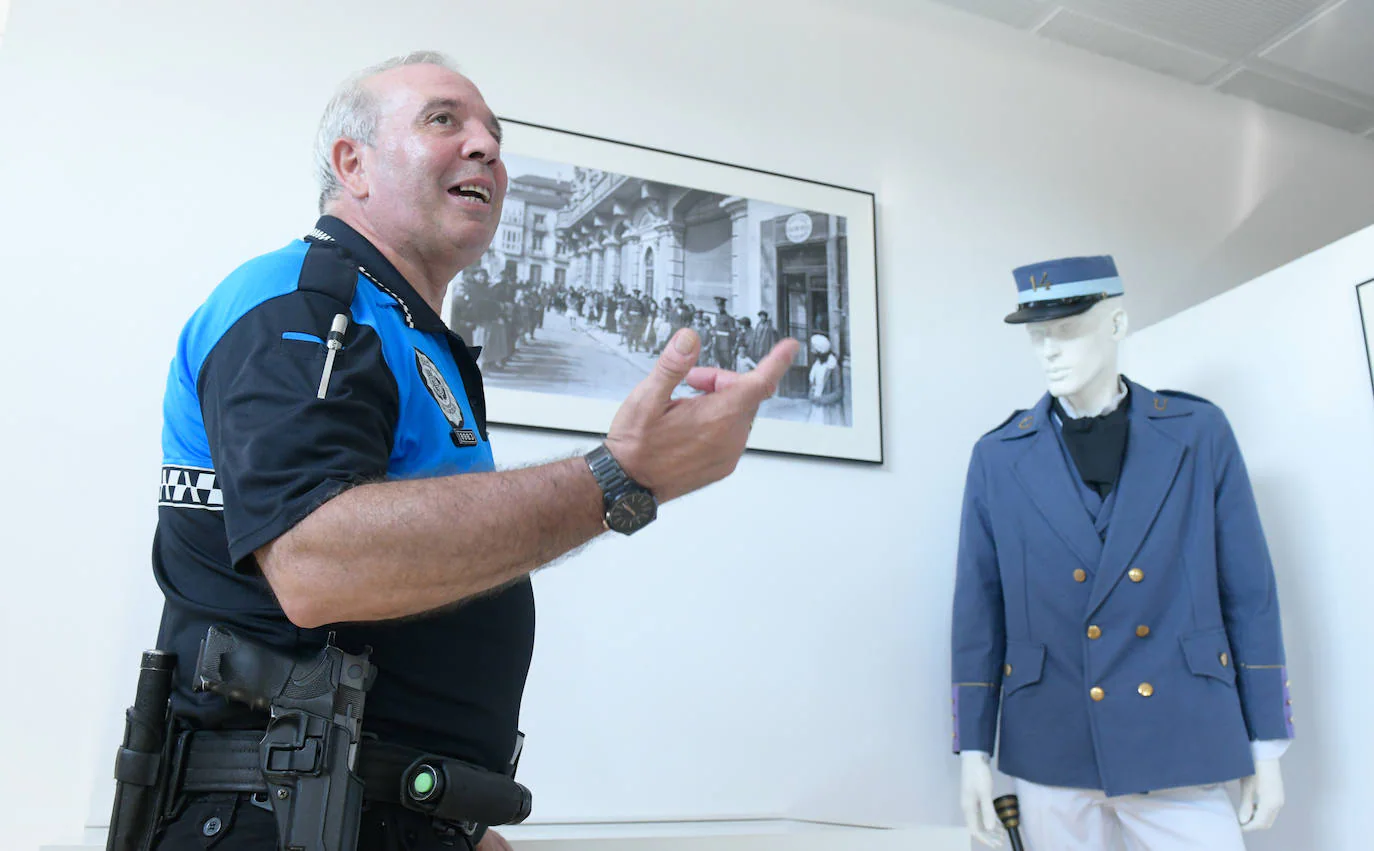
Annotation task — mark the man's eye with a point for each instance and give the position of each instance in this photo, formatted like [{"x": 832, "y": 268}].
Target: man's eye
[{"x": 442, "y": 118}]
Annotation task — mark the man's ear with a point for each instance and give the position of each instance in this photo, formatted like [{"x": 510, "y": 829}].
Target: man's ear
[
  {"x": 346, "y": 156},
  {"x": 1120, "y": 324}
]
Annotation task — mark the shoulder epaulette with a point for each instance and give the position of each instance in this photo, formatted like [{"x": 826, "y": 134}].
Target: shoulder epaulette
[
  {"x": 1180, "y": 394},
  {"x": 329, "y": 270},
  {"x": 1014, "y": 414}
]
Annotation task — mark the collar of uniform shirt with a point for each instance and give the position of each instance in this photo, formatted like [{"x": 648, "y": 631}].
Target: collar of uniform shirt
[
  {"x": 1106, "y": 409},
  {"x": 382, "y": 273}
]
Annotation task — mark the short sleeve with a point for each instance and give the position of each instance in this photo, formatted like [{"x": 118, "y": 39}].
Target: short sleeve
[{"x": 279, "y": 451}]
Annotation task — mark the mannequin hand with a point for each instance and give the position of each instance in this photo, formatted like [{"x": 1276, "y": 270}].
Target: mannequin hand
[
  {"x": 1261, "y": 796},
  {"x": 975, "y": 796}
]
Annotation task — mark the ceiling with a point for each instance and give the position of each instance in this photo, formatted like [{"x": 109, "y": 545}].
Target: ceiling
[{"x": 1312, "y": 58}]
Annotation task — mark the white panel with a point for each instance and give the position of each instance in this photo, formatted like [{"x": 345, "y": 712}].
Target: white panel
[
  {"x": 1228, "y": 28},
  {"x": 1133, "y": 47},
  {"x": 1022, "y": 14},
  {"x": 1297, "y": 100},
  {"x": 1284, "y": 358},
  {"x": 1335, "y": 47}
]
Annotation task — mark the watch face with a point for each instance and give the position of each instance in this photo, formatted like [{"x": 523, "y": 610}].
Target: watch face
[{"x": 632, "y": 512}]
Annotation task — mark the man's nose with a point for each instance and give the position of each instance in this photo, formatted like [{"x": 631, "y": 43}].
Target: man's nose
[{"x": 481, "y": 146}]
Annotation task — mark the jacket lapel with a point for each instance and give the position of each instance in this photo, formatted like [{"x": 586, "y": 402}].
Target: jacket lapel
[
  {"x": 1152, "y": 462},
  {"x": 1045, "y": 477}
]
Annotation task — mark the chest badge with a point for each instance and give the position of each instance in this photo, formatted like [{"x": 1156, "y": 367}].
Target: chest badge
[{"x": 439, "y": 390}]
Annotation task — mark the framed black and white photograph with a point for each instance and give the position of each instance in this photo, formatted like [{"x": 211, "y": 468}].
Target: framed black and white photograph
[{"x": 605, "y": 249}]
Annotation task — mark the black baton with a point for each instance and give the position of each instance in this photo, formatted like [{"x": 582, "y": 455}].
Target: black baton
[
  {"x": 139, "y": 758},
  {"x": 1009, "y": 811}
]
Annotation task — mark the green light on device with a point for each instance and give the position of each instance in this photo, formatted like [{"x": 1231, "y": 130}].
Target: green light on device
[{"x": 424, "y": 783}]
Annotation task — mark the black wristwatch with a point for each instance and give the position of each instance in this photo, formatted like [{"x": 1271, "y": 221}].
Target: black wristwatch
[{"x": 627, "y": 505}]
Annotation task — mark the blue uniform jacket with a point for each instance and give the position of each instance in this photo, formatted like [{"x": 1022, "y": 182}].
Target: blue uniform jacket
[{"x": 1142, "y": 656}]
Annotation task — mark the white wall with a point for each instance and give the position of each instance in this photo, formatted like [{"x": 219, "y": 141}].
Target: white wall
[
  {"x": 799, "y": 671},
  {"x": 1284, "y": 356}
]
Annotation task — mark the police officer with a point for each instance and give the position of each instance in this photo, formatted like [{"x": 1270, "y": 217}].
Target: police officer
[
  {"x": 309, "y": 487},
  {"x": 1114, "y": 601},
  {"x": 636, "y": 320},
  {"x": 724, "y": 333}
]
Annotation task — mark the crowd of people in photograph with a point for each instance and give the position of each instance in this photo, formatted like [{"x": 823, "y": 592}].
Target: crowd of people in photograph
[{"x": 501, "y": 316}]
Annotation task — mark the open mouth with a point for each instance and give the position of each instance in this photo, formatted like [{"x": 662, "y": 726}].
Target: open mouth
[{"x": 471, "y": 191}]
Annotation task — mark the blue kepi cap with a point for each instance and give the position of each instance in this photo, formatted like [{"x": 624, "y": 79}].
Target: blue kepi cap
[{"x": 1054, "y": 289}]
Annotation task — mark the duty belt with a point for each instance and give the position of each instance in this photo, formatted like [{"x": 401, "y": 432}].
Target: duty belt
[{"x": 229, "y": 761}]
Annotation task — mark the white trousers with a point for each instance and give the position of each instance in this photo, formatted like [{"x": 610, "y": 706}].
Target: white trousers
[{"x": 1193, "y": 818}]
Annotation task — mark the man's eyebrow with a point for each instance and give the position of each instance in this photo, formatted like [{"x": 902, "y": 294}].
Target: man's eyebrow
[
  {"x": 435, "y": 103},
  {"x": 493, "y": 124}
]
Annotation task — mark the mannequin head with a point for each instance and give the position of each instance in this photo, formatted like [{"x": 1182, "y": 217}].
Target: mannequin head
[{"x": 1079, "y": 353}]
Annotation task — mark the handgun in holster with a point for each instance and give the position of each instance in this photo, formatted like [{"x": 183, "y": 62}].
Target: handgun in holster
[
  {"x": 312, "y": 763},
  {"x": 307, "y": 756},
  {"x": 309, "y": 752}
]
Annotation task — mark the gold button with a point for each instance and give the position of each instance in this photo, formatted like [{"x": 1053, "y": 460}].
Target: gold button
[
  {"x": 1094, "y": 631},
  {"x": 1136, "y": 574},
  {"x": 1145, "y": 689},
  {"x": 1080, "y": 575},
  {"x": 1006, "y": 669},
  {"x": 1223, "y": 660},
  {"x": 1142, "y": 630},
  {"x": 1097, "y": 693}
]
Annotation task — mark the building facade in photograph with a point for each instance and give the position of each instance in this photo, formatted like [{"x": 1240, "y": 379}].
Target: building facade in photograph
[
  {"x": 526, "y": 244},
  {"x": 671, "y": 241}
]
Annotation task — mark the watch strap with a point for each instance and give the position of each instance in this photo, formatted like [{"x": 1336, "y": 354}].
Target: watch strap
[{"x": 609, "y": 475}]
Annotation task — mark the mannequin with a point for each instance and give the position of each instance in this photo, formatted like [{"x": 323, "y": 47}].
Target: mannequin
[{"x": 1115, "y": 587}]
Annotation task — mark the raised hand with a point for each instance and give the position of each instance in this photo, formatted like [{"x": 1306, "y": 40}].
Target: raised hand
[{"x": 675, "y": 446}]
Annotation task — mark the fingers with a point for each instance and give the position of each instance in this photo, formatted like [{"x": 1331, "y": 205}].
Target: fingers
[
  {"x": 1262, "y": 815},
  {"x": 1245, "y": 812},
  {"x": 677, "y": 360},
  {"x": 765, "y": 377},
  {"x": 990, "y": 820},
  {"x": 970, "y": 808},
  {"x": 710, "y": 379},
  {"x": 981, "y": 820}
]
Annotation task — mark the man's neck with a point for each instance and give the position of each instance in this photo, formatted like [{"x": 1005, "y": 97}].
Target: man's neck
[
  {"x": 427, "y": 279},
  {"x": 1099, "y": 398}
]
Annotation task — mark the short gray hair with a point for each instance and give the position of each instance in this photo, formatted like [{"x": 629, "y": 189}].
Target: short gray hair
[{"x": 352, "y": 114}]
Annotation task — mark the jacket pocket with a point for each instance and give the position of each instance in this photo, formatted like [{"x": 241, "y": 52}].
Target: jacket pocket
[
  {"x": 1025, "y": 662},
  {"x": 1208, "y": 654}
]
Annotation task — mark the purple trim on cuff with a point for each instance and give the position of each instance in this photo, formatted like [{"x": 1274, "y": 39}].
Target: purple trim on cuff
[
  {"x": 955, "y": 701},
  {"x": 1287, "y": 707}
]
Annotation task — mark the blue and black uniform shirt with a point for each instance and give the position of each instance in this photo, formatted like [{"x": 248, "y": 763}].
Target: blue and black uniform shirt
[{"x": 249, "y": 449}]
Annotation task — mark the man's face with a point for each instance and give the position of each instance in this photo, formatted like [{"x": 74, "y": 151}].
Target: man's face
[
  {"x": 1074, "y": 350},
  {"x": 434, "y": 174}
]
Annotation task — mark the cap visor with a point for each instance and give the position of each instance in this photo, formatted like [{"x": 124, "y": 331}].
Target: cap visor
[{"x": 1045, "y": 311}]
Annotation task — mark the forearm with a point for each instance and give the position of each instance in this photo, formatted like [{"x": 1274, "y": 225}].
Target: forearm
[{"x": 392, "y": 549}]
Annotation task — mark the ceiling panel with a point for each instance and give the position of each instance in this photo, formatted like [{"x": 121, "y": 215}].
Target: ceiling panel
[
  {"x": 1228, "y": 28},
  {"x": 1298, "y": 101},
  {"x": 1312, "y": 58},
  {"x": 1022, "y": 14},
  {"x": 1131, "y": 46},
  {"x": 1337, "y": 46}
]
